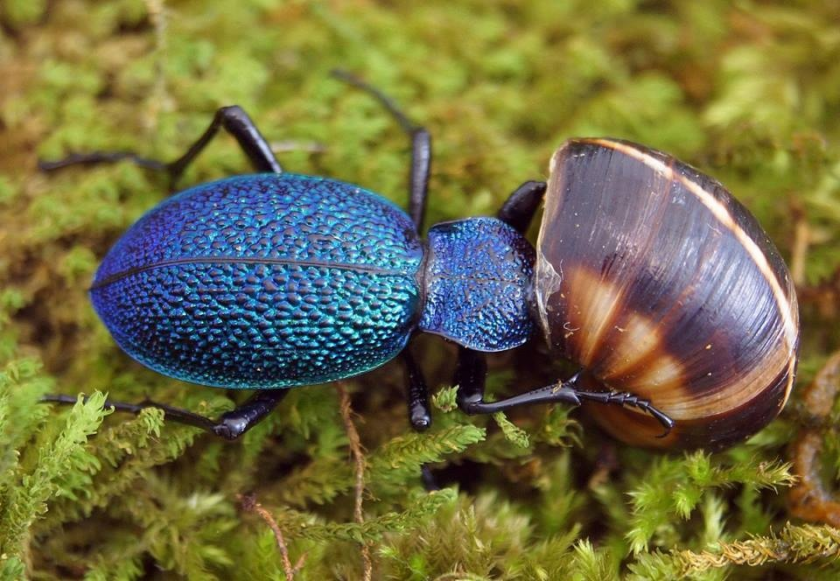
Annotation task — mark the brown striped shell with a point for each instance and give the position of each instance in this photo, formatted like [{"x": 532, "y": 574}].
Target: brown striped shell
[{"x": 654, "y": 279}]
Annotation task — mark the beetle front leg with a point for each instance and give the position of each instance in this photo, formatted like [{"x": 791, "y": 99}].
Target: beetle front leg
[
  {"x": 230, "y": 425},
  {"x": 470, "y": 377},
  {"x": 232, "y": 119}
]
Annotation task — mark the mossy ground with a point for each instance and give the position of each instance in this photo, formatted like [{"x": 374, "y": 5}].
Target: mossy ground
[{"x": 749, "y": 92}]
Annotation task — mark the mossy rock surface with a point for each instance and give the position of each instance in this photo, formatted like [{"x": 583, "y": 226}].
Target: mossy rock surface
[{"x": 747, "y": 92}]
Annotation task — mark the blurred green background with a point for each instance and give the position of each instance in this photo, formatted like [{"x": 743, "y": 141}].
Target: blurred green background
[{"x": 747, "y": 91}]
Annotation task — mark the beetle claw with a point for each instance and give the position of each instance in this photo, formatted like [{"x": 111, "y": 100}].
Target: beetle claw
[{"x": 663, "y": 419}]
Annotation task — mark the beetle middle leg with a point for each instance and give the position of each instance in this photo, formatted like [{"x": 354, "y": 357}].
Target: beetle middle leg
[
  {"x": 232, "y": 119},
  {"x": 419, "y": 412},
  {"x": 230, "y": 425},
  {"x": 470, "y": 376}
]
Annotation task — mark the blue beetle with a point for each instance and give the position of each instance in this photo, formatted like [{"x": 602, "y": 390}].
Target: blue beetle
[{"x": 275, "y": 280}]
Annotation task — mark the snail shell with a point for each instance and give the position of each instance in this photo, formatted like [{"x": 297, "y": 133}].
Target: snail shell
[{"x": 654, "y": 279}]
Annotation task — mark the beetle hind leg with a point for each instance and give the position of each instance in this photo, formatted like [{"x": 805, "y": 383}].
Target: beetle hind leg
[
  {"x": 232, "y": 119},
  {"x": 230, "y": 425}
]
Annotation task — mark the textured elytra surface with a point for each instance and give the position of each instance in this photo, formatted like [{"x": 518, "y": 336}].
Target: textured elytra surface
[
  {"x": 263, "y": 281},
  {"x": 287, "y": 217},
  {"x": 658, "y": 282},
  {"x": 478, "y": 278}
]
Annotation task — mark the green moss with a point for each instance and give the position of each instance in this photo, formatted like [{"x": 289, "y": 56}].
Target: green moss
[{"x": 749, "y": 93}]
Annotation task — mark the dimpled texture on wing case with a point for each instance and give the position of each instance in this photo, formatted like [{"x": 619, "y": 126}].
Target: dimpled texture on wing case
[{"x": 263, "y": 281}]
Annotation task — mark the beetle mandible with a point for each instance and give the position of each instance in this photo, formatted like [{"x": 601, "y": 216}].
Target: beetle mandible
[{"x": 647, "y": 273}]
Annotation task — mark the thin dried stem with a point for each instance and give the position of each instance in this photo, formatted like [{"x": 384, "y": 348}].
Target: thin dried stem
[
  {"x": 249, "y": 503},
  {"x": 794, "y": 544},
  {"x": 160, "y": 98},
  {"x": 358, "y": 457}
]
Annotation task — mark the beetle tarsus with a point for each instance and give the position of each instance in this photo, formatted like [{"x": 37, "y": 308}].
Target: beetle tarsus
[
  {"x": 659, "y": 415},
  {"x": 60, "y": 398},
  {"x": 384, "y": 100},
  {"x": 627, "y": 399},
  {"x": 666, "y": 421}
]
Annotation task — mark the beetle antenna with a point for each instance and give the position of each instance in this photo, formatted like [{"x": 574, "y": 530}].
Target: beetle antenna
[
  {"x": 384, "y": 99},
  {"x": 421, "y": 146}
]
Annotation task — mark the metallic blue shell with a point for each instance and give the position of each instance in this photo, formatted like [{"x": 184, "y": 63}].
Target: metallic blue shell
[
  {"x": 263, "y": 281},
  {"x": 478, "y": 284}
]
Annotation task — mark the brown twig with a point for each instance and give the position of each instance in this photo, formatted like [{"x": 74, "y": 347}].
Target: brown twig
[
  {"x": 793, "y": 544},
  {"x": 810, "y": 499},
  {"x": 358, "y": 456},
  {"x": 250, "y": 504},
  {"x": 160, "y": 96}
]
